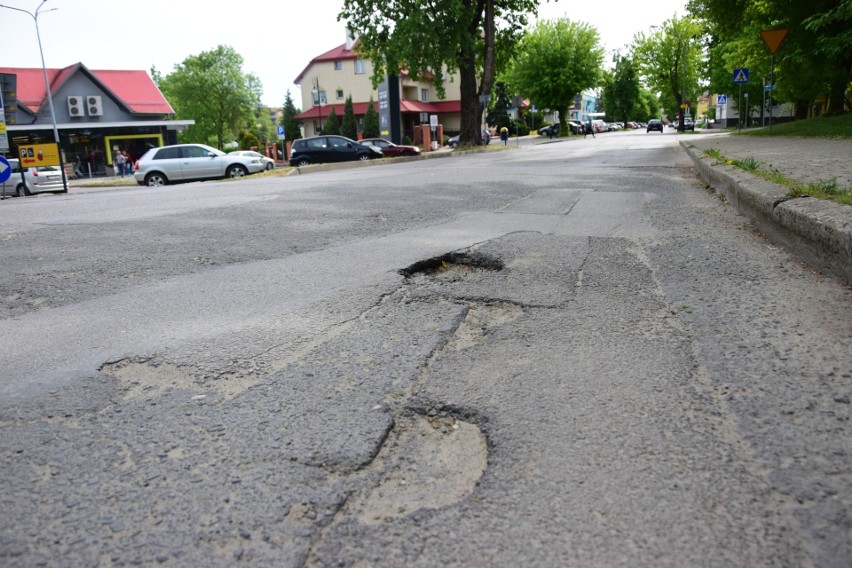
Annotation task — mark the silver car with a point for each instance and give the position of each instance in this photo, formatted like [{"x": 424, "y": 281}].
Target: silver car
[
  {"x": 40, "y": 179},
  {"x": 191, "y": 162},
  {"x": 268, "y": 163}
]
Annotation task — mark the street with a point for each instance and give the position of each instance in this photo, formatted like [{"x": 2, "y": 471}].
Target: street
[{"x": 567, "y": 353}]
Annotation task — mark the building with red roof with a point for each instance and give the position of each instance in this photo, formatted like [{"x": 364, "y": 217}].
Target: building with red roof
[
  {"x": 97, "y": 111},
  {"x": 328, "y": 79}
]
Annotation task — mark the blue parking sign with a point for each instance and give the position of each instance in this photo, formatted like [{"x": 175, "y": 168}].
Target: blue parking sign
[{"x": 281, "y": 132}]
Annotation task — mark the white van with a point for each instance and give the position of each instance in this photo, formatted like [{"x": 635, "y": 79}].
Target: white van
[{"x": 41, "y": 179}]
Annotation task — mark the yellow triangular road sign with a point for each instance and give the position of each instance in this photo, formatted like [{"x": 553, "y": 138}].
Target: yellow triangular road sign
[{"x": 773, "y": 39}]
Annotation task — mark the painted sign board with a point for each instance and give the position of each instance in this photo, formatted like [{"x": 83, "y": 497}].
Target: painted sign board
[
  {"x": 39, "y": 155},
  {"x": 773, "y": 39}
]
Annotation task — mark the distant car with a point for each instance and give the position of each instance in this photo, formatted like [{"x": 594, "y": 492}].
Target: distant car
[
  {"x": 688, "y": 124},
  {"x": 330, "y": 149},
  {"x": 39, "y": 179},
  {"x": 454, "y": 141},
  {"x": 389, "y": 149},
  {"x": 552, "y": 130},
  {"x": 654, "y": 124},
  {"x": 576, "y": 127},
  {"x": 191, "y": 162},
  {"x": 268, "y": 163}
]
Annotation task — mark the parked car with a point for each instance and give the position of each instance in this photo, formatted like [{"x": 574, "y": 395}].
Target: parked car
[
  {"x": 268, "y": 163},
  {"x": 654, "y": 124},
  {"x": 552, "y": 130},
  {"x": 389, "y": 149},
  {"x": 40, "y": 179},
  {"x": 191, "y": 162},
  {"x": 454, "y": 141},
  {"x": 576, "y": 127},
  {"x": 688, "y": 124},
  {"x": 328, "y": 149}
]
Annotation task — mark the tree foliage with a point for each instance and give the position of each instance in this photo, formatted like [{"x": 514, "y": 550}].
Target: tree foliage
[
  {"x": 555, "y": 61},
  {"x": 211, "y": 89},
  {"x": 622, "y": 92},
  {"x": 331, "y": 124},
  {"x": 498, "y": 114},
  {"x": 437, "y": 38},
  {"x": 815, "y": 58},
  {"x": 671, "y": 61},
  {"x": 292, "y": 127},
  {"x": 349, "y": 126},
  {"x": 371, "y": 121}
]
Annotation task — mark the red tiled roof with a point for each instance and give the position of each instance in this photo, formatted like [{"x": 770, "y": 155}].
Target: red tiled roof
[
  {"x": 133, "y": 89},
  {"x": 404, "y": 106},
  {"x": 339, "y": 53}
]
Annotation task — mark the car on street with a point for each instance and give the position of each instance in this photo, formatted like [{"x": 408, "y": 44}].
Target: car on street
[
  {"x": 191, "y": 162},
  {"x": 454, "y": 141},
  {"x": 330, "y": 149},
  {"x": 688, "y": 124},
  {"x": 268, "y": 163},
  {"x": 39, "y": 179},
  {"x": 654, "y": 124},
  {"x": 576, "y": 127},
  {"x": 551, "y": 130},
  {"x": 389, "y": 149}
]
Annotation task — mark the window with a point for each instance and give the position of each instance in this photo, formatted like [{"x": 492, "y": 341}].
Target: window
[
  {"x": 359, "y": 66},
  {"x": 338, "y": 65},
  {"x": 168, "y": 153},
  {"x": 319, "y": 98},
  {"x": 339, "y": 93},
  {"x": 195, "y": 152},
  {"x": 424, "y": 95}
]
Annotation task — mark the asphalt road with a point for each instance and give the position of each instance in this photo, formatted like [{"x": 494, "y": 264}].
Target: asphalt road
[{"x": 564, "y": 354}]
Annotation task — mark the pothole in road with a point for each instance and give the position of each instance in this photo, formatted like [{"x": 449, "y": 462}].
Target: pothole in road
[
  {"x": 147, "y": 379},
  {"x": 453, "y": 263},
  {"x": 432, "y": 461}
]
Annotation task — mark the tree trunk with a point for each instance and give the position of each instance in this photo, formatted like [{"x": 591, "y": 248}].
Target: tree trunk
[
  {"x": 837, "y": 97},
  {"x": 471, "y": 110}
]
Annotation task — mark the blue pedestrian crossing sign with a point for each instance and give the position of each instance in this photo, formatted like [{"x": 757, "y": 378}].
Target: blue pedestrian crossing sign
[
  {"x": 721, "y": 100},
  {"x": 741, "y": 75}
]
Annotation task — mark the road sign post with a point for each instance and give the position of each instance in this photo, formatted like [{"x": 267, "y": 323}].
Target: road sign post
[
  {"x": 773, "y": 40},
  {"x": 740, "y": 77}
]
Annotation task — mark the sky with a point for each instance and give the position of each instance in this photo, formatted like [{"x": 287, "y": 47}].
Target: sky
[{"x": 275, "y": 39}]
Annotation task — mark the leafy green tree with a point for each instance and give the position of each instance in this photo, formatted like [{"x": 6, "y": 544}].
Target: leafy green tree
[
  {"x": 371, "y": 121},
  {"x": 622, "y": 93},
  {"x": 332, "y": 124},
  {"x": 555, "y": 61},
  {"x": 211, "y": 89},
  {"x": 292, "y": 127},
  {"x": 498, "y": 114},
  {"x": 435, "y": 38},
  {"x": 349, "y": 126},
  {"x": 816, "y": 56},
  {"x": 670, "y": 60}
]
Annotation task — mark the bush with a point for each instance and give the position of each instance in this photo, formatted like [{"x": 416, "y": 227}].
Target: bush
[{"x": 519, "y": 127}]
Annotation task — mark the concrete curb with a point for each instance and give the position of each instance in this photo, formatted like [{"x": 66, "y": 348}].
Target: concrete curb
[{"x": 816, "y": 230}]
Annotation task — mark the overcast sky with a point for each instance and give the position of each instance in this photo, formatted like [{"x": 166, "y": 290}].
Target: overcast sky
[{"x": 276, "y": 39}]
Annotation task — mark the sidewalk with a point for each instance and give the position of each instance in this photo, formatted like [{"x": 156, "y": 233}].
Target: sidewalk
[{"x": 818, "y": 231}]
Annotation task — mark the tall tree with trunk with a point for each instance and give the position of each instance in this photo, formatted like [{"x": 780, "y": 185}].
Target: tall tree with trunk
[
  {"x": 349, "y": 126},
  {"x": 212, "y": 89},
  {"x": 555, "y": 61},
  {"x": 437, "y": 38}
]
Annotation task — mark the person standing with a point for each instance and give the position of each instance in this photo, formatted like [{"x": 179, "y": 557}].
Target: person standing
[
  {"x": 128, "y": 164},
  {"x": 120, "y": 160},
  {"x": 590, "y": 128}
]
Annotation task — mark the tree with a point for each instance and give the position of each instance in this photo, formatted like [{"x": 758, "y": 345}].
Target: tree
[
  {"x": 622, "y": 93},
  {"x": 816, "y": 57},
  {"x": 332, "y": 124},
  {"x": 292, "y": 130},
  {"x": 349, "y": 126},
  {"x": 498, "y": 115},
  {"x": 555, "y": 61},
  {"x": 458, "y": 33},
  {"x": 211, "y": 89},
  {"x": 371, "y": 121},
  {"x": 670, "y": 60}
]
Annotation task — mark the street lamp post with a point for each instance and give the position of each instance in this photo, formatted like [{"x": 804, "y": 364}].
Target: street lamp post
[{"x": 34, "y": 16}]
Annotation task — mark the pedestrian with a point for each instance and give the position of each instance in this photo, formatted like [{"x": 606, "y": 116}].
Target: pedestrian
[
  {"x": 128, "y": 163},
  {"x": 504, "y": 135},
  {"x": 590, "y": 128},
  {"x": 120, "y": 160}
]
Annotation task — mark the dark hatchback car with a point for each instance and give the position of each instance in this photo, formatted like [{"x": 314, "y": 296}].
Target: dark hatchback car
[
  {"x": 329, "y": 149},
  {"x": 391, "y": 150},
  {"x": 654, "y": 124}
]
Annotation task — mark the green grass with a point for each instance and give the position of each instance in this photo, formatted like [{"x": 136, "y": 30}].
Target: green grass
[
  {"x": 823, "y": 127},
  {"x": 823, "y": 189}
]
